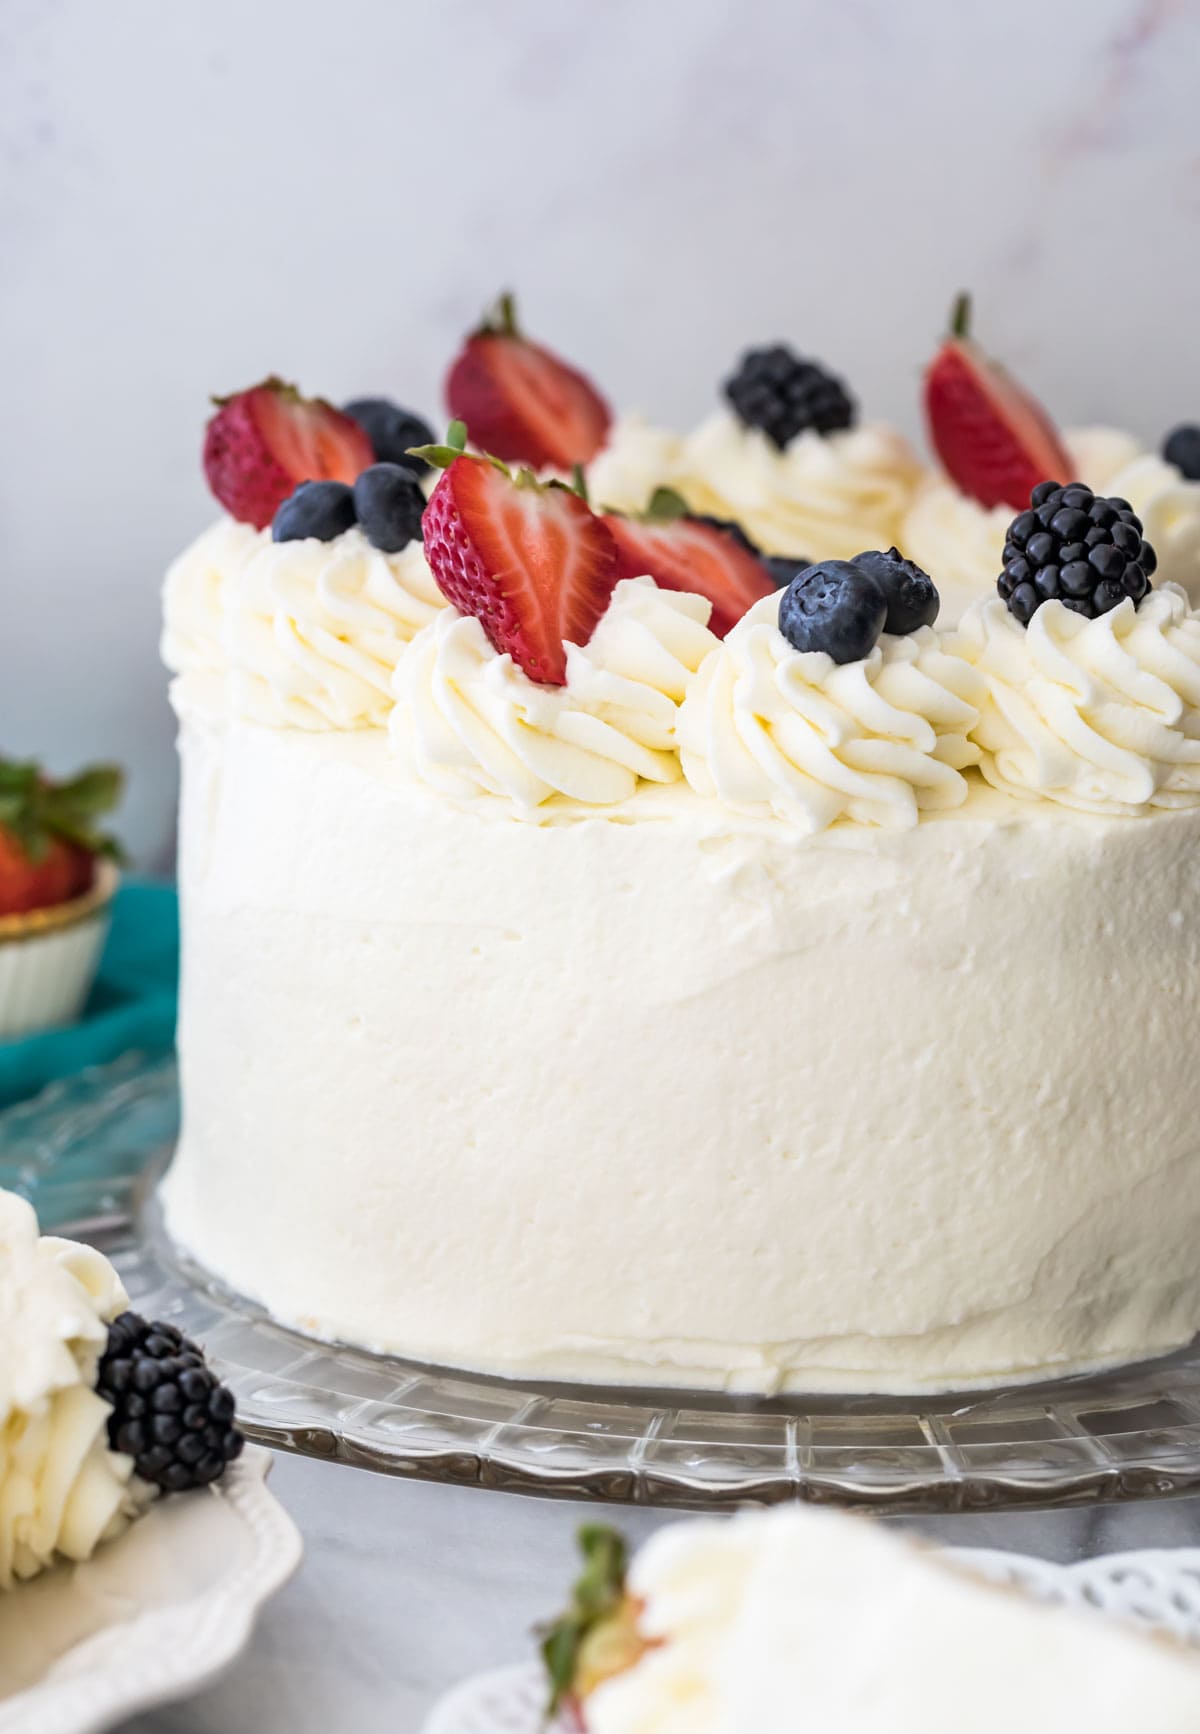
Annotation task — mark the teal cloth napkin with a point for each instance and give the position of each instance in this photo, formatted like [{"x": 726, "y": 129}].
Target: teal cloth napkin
[{"x": 132, "y": 1004}]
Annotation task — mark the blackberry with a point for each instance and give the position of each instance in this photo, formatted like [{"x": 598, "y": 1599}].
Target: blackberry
[
  {"x": 1077, "y": 548},
  {"x": 912, "y": 598},
  {"x": 1182, "y": 448},
  {"x": 782, "y": 394},
  {"x": 170, "y": 1413},
  {"x": 835, "y": 607}
]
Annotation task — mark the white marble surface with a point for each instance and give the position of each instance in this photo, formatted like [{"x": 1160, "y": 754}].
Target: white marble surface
[
  {"x": 407, "y": 1588},
  {"x": 194, "y": 195}
]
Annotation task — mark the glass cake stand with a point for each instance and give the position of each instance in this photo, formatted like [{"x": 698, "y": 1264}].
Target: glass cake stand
[{"x": 88, "y": 1153}]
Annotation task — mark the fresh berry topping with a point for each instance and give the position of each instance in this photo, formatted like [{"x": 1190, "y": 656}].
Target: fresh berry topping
[
  {"x": 730, "y": 525},
  {"x": 392, "y": 431},
  {"x": 264, "y": 441},
  {"x": 836, "y": 607},
  {"x": 1077, "y": 548},
  {"x": 532, "y": 562},
  {"x": 599, "y": 1608},
  {"x": 682, "y": 552},
  {"x": 170, "y": 1412},
  {"x": 782, "y": 394},
  {"x": 994, "y": 440},
  {"x": 389, "y": 503},
  {"x": 782, "y": 568},
  {"x": 911, "y": 596},
  {"x": 321, "y": 510},
  {"x": 521, "y": 402},
  {"x": 1182, "y": 448},
  {"x": 49, "y": 839}
]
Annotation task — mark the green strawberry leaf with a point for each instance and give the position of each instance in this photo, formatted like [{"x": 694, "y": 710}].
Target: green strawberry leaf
[{"x": 595, "y": 1597}]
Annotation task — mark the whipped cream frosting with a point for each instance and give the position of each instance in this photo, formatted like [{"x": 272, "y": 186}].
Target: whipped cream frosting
[
  {"x": 799, "y": 1621},
  {"x": 770, "y": 730},
  {"x": 303, "y": 634},
  {"x": 474, "y": 723},
  {"x": 62, "y": 1491},
  {"x": 1103, "y": 715},
  {"x": 824, "y": 497},
  {"x": 960, "y": 543}
]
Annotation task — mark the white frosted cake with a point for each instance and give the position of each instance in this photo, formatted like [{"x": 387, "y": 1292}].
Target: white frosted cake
[
  {"x": 803, "y": 1620},
  {"x": 572, "y": 992}
]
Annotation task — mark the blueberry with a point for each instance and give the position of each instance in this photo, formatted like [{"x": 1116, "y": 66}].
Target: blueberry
[
  {"x": 391, "y": 431},
  {"x": 1182, "y": 448},
  {"x": 911, "y": 596},
  {"x": 389, "y": 503},
  {"x": 782, "y": 568},
  {"x": 836, "y": 607},
  {"x": 321, "y": 510}
]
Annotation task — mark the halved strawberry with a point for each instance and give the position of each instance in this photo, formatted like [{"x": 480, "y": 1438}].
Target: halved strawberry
[
  {"x": 994, "y": 440},
  {"x": 263, "y": 443},
  {"x": 532, "y": 563},
  {"x": 521, "y": 402},
  {"x": 49, "y": 842},
  {"x": 684, "y": 552}
]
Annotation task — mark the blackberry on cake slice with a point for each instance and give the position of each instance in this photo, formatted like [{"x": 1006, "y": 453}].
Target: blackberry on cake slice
[
  {"x": 994, "y": 439},
  {"x": 1072, "y": 546},
  {"x": 170, "y": 1412},
  {"x": 523, "y": 403},
  {"x": 782, "y": 395}
]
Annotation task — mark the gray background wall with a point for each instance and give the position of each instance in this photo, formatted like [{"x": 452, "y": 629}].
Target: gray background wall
[{"x": 196, "y": 192}]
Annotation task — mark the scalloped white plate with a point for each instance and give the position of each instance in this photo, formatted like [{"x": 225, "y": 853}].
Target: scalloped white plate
[
  {"x": 153, "y": 1616},
  {"x": 1158, "y": 1589}
]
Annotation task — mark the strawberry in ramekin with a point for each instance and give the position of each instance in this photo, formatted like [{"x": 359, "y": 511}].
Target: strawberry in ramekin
[{"x": 58, "y": 874}]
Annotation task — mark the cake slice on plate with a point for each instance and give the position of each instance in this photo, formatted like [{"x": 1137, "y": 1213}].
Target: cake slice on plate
[{"x": 810, "y": 1620}]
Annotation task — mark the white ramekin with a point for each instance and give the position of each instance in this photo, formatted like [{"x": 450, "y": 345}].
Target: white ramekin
[{"x": 49, "y": 958}]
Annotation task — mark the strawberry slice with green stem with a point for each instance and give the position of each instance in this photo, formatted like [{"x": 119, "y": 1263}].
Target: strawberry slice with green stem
[
  {"x": 523, "y": 403},
  {"x": 530, "y": 560},
  {"x": 49, "y": 837},
  {"x": 262, "y": 443},
  {"x": 994, "y": 440},
  {"x": 683, "y": 552}
]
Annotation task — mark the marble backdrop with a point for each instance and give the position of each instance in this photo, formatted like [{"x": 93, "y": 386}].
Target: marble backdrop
[{"x": 192, "y": 195}]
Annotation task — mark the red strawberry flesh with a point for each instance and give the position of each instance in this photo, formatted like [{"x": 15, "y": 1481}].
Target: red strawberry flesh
[
  {"x": 534, "y": 565},
  {"x": 685, "y": 554},
  {"x": 994, "y": 440},
  {"x": 524, "y": 404},
  {"x": 263, "y": 443}
]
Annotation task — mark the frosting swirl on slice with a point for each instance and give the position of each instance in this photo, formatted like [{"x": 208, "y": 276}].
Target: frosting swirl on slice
[
  {"x": 823, "y": 497},
  {"x": 302, "y": 634},
  {"x": 1103, "y": 715},
  {"x": 62, "y": 1491},
  {"x": 475, "y": 724},
  {"x": 772, "y": 730}
]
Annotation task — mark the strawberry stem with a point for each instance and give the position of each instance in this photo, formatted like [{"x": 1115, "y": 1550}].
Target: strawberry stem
[
  {"x": 579, "y": 483},
  {"x": 506, "y": 307},
  {"x": 960, "y": 316}
]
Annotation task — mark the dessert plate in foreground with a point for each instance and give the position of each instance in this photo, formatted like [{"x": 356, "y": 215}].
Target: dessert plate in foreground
[
  {"x": 1159, "y": 1590},
  {"x": 153, "y": 1616}
]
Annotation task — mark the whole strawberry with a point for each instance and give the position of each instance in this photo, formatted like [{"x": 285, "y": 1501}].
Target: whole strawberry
[
  {"x": 262, "y": 443},
  {"x": 522, "y": 403},
  {"x": 530, "y": 560},
  {"x": 49, "y": 843}
]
